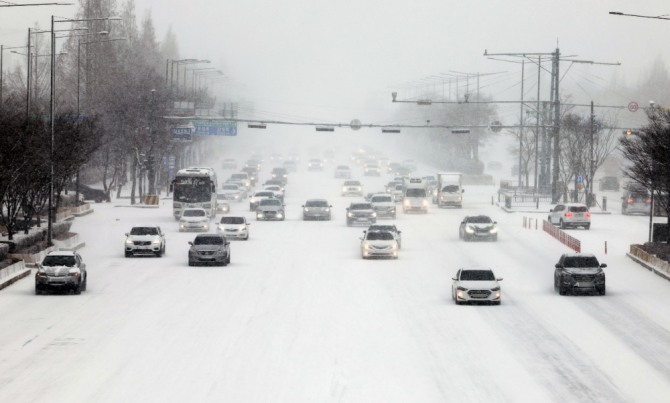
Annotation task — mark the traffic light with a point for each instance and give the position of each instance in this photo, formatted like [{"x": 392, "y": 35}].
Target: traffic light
[{"x": 631, "y": 132}]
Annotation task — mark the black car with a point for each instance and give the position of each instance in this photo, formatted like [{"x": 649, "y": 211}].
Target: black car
[
  {"x": 579, "y": 273},
  {"x": 280, "y": 173},
  {"x": 209, "y": 249},
  {"x": 62, "y": 271},
  {"x": 361, "y": 213},
  {"x": 88, "y": 193}
]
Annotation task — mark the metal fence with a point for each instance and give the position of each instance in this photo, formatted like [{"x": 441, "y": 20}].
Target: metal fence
[{"x": 523, "y": 198}]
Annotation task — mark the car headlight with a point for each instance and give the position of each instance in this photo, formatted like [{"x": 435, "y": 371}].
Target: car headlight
[
  {"x": 374, "y": 214},
  {"x": 259, "y": 215},
  {"x": 424, "y": 203},
  {"x": 156, "y": 241},
  {"x": 129, "y": 241},
  {"x": 600, "y": 274},
  {"x": 306, "y": 209},
  {"x": 494, "y": 230},
  {"x": 344, "y": 189},
  {"x": 366, "y": 246},
  {"x": 406, "y": 203},
  {"x": 237, "y": 197},
  {"x": 350, "y": 215},
  {"x": 469, "y": 229},
  {"x": 495, "y": 289},
  {"x": 280, "y": 214},
  {"x": 327, "y": 210}
]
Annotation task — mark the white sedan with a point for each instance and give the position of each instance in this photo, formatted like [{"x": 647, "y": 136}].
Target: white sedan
[
  {"x": 477, "y": 284},
  {"x": 235, "y": 227}
]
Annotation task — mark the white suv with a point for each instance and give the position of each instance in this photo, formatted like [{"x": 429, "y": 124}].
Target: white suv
[{"x": 570, "y": 215}]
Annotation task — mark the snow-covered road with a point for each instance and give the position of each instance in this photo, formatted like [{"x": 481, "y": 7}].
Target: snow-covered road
[{"x": 298, "y": 316}]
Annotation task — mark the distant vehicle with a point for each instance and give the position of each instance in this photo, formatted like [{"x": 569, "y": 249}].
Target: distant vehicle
[
  {"x": 379, "y": 244},
  {"x": 578, "y": 273},
  {"x": 609, "y": 183},
  {"x": 229, "y": 163},
  {"x": 361, "y": 213},
  {"x": 371, "y": 170},
  {"x": 415, "y": 197},
  {"x": 403, "y": 171},
  {"x": 383, "y": 204},
  {"x": 398, "y": 192},
  {"x": 449, "y": 189},
  {"x": 270, "y": 209},
  {"x": 636, "y": 200},
  {"x": 476, "y": 285},
  {"x": 277, "y": 190},
  {"x": 145, "y": 240},
  {"x": 315, "y": 164},
  {"x": 252, "y": 172},
  {"x": 222, "y": 206},
  {"x": 88, "y": 193},
  {"x": 389, "y": 228},
  {"x": 352, "y": 188},
  {"x": 235, "y": 227},
  {"x": 280, "y": 173},
  {"x": 392, "y": 167},
  {"x": 277, "y": 182},
  {"x": 478, "y": 227},
  {"x": 194, "y": 187},
  {"x": 390, "y": 186},
  {"x": 259, "y": 196},
  {"x": 63, "y": 271},
  {"x": 255, "y": 163},
  {"x": 194, "y": 219},
  {"x": 290, "y": 166},
  {"x": 567, "y": 215},
  {"x": 233, "y": 191},
  {"x": 343, "y": 171},
  {"x": 242, "y": 177},
  {"x": 316, "y": 209},
  {"x": 209, "y": 249}
]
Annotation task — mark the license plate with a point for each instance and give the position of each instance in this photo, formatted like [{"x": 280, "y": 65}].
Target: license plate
[{"x": 585, "y": 284}]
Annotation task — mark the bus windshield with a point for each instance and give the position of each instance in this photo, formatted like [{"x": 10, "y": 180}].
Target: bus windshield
[{"x": 192, "y": 190}]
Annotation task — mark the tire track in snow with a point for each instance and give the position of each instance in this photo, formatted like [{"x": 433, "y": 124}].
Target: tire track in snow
[{"x": 560, "y": 365}]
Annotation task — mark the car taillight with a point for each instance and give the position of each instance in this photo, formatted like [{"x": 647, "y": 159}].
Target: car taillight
[
  {"x": 630, "y": 200},
  {"x": 568, "y": 214},
  {"x": 647, "y": 200},
  {"x": 587, "y": 215}
]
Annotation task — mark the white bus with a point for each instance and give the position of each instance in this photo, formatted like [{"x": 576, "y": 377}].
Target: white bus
[{"x": 194, "y": 187}]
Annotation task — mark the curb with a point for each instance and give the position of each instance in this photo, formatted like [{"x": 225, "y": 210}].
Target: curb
[
  {"x": 15, "y": 278},
  {"x": 648, "y": 266}
]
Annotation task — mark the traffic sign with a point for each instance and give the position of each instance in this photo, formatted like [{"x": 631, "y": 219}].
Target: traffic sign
[
  {"x": 580, "y": 179},
  {"x": 211, "y": 127},
  {"x": 495, "y": 126},
  {"x": 633, "y": 106}
]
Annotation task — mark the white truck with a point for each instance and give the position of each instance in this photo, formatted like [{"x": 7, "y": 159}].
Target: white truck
[
  {"x": 449, "y": 189},
  {"x": 415, "y": 197}
]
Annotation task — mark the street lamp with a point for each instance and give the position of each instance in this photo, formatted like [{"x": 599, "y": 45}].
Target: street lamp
[
  {"x": 33, "y": 4},
  {"x": 52, "y": 113}
]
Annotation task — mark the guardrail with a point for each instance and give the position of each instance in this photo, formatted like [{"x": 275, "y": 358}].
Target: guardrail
[{"x": 567, "y": 240}]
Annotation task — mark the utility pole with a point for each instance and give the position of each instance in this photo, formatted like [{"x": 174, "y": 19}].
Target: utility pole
[
  {"x": 555, "y": 190},
  {"x": 523, "y": 70}
]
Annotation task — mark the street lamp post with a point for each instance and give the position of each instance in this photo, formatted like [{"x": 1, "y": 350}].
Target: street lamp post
[{"x": 52, "y": 114}]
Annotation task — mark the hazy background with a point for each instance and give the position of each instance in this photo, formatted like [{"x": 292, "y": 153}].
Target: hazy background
[{"x": 333, "y": 61}]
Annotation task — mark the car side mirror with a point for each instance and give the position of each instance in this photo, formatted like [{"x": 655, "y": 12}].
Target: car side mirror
[
  {"x": 126, "y": 234},
  {"x": 499, "y": 279},
  {"x": 558, "y": 266},
  {"x": 551, "y": 210},
  {"x": 603, "y": 265},
  {"x": 495, "y": 222},
  {"x": 303, "y": 206},
  {"x": 454, "y": 278},
  {"x": 190, "y": 243}
]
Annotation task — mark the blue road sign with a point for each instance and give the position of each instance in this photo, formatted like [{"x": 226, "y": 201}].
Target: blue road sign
[{"x": 208, "y": 127}]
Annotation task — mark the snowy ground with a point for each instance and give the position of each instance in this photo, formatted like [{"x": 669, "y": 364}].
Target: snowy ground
[{"x": 298, "y": 316}]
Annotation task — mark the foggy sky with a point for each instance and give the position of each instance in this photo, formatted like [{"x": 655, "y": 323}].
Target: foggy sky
[{"x": 339, "y": 60}]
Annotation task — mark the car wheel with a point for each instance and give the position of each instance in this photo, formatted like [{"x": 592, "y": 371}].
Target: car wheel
[
  {"x": 129, "y": 254},
  {"x": 562, "y": 224},
  {"x": 602, "y": 291},
  {"x": 83, "y": 287},
  {"x": 588, "y": 226},
  {"x": 496, "y": 302},
  {"x": 562, "y": 290},
  {"x": 38, "y": 291},
  {"x": 77, "y": 290},
  {"x": 495, "y": 238},
  {"x": 190, "y": 263},
  {"x": 246, "y": 238}
]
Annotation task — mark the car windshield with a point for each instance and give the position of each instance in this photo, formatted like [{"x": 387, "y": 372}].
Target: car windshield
[
  {"x": 381, "y": 199},
  {"x": 239, "y": 176},
  {"x": 194, "y": 213},
  {"x": 232, "y": 220},
  {"x": 279, "y": 171},
  {"x": 481, "y": 219},
  {"x": 352, "y": 183},
  {"x": 264, "y": 194},
  {"x": 58, "y": 261},
  {"x": 220, "y": 196},
  {"x": 379, "y": 236},
  {"x": 343, "y": 168},
  {"x": 398, "y": 187},
  {"x": 144, "y": 231},
  {"x": 361, "y": 206},
  {"x": 450, "y": 188},
  {"x": 208, "y": 240},
  {"x": 477, "y": 275},
  {"x": 389, "y": 228},
  {"x": 580, "y": 261},
  {"x": 270, "y": 202},
  {"x": 316, "y": 203},
  {"x": 230, "y": 187},
  {"x": 416, "y": 193},
  {"x": 579, "y": 209}
]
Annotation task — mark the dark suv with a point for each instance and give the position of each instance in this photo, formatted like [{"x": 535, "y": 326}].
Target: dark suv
[
  {"x": 578, "y": 273},
  {"x": 361, "y": 213},
  {"x": 636, "y": 200}
]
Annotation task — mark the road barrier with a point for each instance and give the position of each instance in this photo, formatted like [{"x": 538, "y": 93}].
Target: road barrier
[
  {"x": 151, "y": 200},
  {"x": 567, "y": 240}
]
